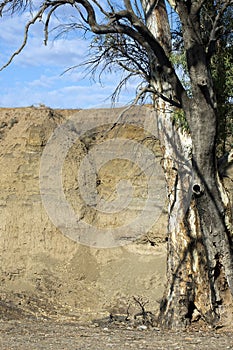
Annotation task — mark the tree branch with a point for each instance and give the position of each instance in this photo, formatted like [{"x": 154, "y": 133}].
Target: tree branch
[
  {"x": 27, "y": 27},
  {"x": 196, "y": 6},
  {"x": 47, "y": 23},
  {"x": 133, "y": 28},
  {"x": 215, "y": 29},
  {"x": 142, "y": 92},
  {"x": 165, "y": 98}
]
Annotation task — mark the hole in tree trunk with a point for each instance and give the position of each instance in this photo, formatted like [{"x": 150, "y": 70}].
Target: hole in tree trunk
[
  {"x": 197, "y": 190},
  {"x": 191, "y": 308}
]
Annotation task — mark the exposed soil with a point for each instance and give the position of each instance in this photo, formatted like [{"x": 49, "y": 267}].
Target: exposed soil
[
  {"x": 29, "y": 334},
  {"x": 44, "y": 272}
]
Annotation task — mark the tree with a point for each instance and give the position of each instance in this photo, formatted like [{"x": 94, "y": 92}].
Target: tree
[
  {"x": 137, "y": 36},
  {"x": 222, "y": 71}
]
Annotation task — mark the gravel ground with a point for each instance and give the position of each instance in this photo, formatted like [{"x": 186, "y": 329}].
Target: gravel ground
[{"x": 31, "y": 334}]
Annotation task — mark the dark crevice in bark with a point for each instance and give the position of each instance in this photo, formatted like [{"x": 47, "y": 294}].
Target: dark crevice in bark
[
  {"x": 169, "y": 315},
  {"x": 181, "y": 312},
  {"x": 191, "y": 307}
]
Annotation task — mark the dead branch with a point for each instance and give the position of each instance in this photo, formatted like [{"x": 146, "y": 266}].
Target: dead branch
[{"x": 25, "y": 39}]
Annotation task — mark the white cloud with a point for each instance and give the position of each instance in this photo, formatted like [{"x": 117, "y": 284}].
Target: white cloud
[
  {"x": 60, "y": 92},
  {"x": 35, "y": 75},
  {"x": 60, "y": 52},
  {"x": 43, "y": 82},
  {"x": 63, "y": 53},
  {"x": 13, "y": 29}
]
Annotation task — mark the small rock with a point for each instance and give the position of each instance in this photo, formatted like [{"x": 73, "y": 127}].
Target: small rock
[
  {"x": 12, "y": 122},
  {"x": 156, "y": 329},
  {"x": 142, "y": 327},
  {"x": 3, "y": 125}
]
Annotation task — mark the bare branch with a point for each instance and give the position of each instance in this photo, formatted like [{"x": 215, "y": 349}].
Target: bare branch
[
  {"x": 216, "y": 28},
  {"x": 27, "y": 27},
  {"x": 14, "y": 6},
  {"x": 110, "y": 6},
  {"x": 173, "y": 4},
  {"x": 138, "y": 10},
  {"x": 123, "y": 22},
  {"x": 135, "y": 102},
  {"x": 128, "y": 6},
  {"x": 2, "y": 6},
  {"x": 65, "y": 28},
  {"x": 120, "y": 86},
  {"x": 165, "y": 98},
  {"x": 125, "y": 67},
  {"x": 101, "y": 8},
  {"x": 47, "y": 22}
]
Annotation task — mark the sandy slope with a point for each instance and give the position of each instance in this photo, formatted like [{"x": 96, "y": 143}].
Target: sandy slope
[{"x": 42, "y": 271}]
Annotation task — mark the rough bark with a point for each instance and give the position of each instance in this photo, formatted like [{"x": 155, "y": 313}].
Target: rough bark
[{"x": 199, "y": 263}]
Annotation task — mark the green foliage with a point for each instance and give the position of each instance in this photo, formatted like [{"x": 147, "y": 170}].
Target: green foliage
[
  {"x": 178, "y": 59},
  {"x": 221, "y": 70},
  {"x": 222, "y": 74},
  {"x": 180, "y": 120}
]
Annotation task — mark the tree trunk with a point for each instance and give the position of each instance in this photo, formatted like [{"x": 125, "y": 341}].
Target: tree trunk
[{"x": 199, "y": 262}]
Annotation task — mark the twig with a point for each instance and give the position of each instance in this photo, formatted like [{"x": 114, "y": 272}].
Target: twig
[{"x": 28, "y": 25}]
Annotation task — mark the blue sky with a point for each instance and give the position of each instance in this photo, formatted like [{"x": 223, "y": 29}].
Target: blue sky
[{"x": 35, "y": 76}]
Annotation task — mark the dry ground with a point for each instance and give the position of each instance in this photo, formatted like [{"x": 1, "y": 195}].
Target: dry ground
[{"x": 32, "y": 334}]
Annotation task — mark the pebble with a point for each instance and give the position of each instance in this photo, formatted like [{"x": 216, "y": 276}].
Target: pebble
[
  {"x": 142, "y": 327},
  {"x": 40, "y": 335}
]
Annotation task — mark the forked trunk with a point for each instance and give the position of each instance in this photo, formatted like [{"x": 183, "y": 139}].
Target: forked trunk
[{"x": 199, "y": 261}]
